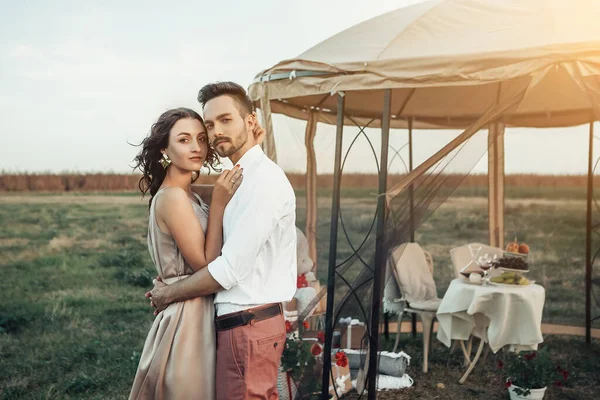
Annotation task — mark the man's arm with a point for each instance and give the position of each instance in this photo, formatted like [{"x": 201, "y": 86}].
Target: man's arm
[
  {"x": 258, "y": 217},
  {"x": 201, "y": 283}
]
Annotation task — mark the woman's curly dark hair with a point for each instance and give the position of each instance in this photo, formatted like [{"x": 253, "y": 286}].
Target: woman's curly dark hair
[{"x": 147, "y": 160}]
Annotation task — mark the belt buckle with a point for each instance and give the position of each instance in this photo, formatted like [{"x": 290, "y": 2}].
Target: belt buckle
[{"x": 248, "y": 317}]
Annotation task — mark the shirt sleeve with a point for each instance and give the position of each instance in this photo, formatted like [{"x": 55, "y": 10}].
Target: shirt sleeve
[{"x": 257, "y": 218}]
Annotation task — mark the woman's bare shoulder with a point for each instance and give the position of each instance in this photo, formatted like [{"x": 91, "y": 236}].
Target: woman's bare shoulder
[{"x": 171, "y": 196}]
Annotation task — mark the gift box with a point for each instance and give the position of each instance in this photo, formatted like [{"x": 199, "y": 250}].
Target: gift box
[
  {"x": 342, "y": 382},
  {"x": 353, "y": 335},
  {"x": 393, "y": 364},
  {"x": 310, "y": 334}
]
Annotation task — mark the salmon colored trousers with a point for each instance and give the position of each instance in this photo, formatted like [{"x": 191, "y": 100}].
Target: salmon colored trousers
[{"x": 248, "y": 360}]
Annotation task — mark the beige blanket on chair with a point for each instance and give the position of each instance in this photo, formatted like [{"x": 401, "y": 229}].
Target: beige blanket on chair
[{"x": 415, "y": 282}]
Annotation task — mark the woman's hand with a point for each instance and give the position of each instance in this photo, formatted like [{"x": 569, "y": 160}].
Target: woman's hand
[
  {"x": 226, "y": 185},
  {"x": 259, "y": 133}
]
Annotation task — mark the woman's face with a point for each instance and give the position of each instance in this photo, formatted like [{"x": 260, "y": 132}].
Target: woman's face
[{"x": 188, "y": 144}]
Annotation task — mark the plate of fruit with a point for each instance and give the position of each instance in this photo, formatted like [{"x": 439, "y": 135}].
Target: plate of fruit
[
  {"x": 511, "y": 279},
  {"x": 514, "y": 258},
  {"x": 516, "y": 249},
  {"x": 511, "y": 264}
]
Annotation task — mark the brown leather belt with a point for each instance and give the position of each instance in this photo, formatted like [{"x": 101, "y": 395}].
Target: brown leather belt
[{"x": 241, "y": 318}]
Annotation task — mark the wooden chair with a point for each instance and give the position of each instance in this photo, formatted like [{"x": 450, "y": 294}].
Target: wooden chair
[{"x": 412, "y": 269}]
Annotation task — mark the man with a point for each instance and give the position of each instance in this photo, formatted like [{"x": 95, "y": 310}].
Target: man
[{"x": 256, "y": 270}]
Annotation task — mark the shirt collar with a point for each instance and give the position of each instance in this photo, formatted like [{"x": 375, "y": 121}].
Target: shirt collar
[{"x": 251, "y": 157}]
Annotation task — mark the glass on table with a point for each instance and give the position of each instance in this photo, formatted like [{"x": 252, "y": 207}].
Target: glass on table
[{"x": 483, "y": 261}]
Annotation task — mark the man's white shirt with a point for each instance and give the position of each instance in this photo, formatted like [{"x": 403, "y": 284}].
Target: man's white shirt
[{"x": 257, "y": 264}]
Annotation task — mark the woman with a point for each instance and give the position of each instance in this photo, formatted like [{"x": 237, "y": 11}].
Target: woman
[{"x": 178, "y": 359}]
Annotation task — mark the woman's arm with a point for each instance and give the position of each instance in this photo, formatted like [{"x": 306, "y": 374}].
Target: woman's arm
[
  {"x": 214, "y": 234},
  {"x": 176, "y": 213},
  {"x": 175, "y": 216},
  {"x": 225, "y": 187}
]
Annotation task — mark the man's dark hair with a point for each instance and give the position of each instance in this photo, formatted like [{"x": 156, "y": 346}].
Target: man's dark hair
[{"x": 239, "y": 95}]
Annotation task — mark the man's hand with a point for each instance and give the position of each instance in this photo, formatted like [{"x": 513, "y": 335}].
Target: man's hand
[
  {"x": 157, "y": 296},
  {"x": 201, "y": 283}
]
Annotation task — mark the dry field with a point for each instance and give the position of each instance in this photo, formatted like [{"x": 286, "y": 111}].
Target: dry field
[{"x": 129, "y": 182}]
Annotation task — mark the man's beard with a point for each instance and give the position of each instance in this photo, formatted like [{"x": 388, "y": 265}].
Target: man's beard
[{"x": 233, "y": 148}]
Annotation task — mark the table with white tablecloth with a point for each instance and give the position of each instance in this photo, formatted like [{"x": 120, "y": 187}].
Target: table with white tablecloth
[{"x": 502, "y": 315}]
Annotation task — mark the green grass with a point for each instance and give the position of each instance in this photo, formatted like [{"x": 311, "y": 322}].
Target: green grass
[
  {"x": 73, "y": 318},
  {"x": 72, "y": 299}
]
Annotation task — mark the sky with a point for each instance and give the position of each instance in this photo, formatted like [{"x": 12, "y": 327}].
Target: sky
[{"x": 81, "y": 79}]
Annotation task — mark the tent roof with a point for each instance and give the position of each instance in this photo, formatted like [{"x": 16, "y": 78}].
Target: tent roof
[{"x": 447, "y": 61}]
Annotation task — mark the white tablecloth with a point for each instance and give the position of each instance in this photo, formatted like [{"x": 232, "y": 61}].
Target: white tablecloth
[{"x": 512, "y": 315}]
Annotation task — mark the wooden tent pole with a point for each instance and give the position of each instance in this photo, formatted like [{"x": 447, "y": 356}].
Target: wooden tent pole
[
  {"x": 496, "y": 184},
  {"x": 311, "y": 187}
]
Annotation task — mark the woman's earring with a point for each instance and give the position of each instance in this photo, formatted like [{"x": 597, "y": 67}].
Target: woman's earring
[{"x": 165, "y": 161}]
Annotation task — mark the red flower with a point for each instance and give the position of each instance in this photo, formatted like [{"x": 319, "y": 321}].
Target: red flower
[
  {"x": 500, "y": 364},
  {"x": 341, "y": 359},
  {"x": 559, "y": 369},
  {"x": 288, "y": 326},
  {"x": 321, "y": 336},
  {"x": 558, "y": 383},
  {"x": 301, "y": 281},
  {"x": 305, "y": 324},
  {"x": 529, "y": 356},
  {"x": 342, "y": 362},
  {"x": 315, "y": 349},
  {"x": 565, "y": 374},
  {"x": 508, "y": 383}
]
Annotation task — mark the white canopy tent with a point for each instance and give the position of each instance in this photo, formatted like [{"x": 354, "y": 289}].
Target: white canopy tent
[
  {"x": 468, "y": 64},
  {"x": 447, "y": 63}
]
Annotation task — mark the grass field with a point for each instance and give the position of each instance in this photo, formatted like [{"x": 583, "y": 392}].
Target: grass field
[{"x": 74, "y": 269}]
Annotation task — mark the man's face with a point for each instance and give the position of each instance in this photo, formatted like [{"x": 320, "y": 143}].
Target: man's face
[{"x": 227, "y": 130}]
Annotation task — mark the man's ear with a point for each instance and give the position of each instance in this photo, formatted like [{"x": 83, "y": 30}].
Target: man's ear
[{"x": 250, "y": 121}]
